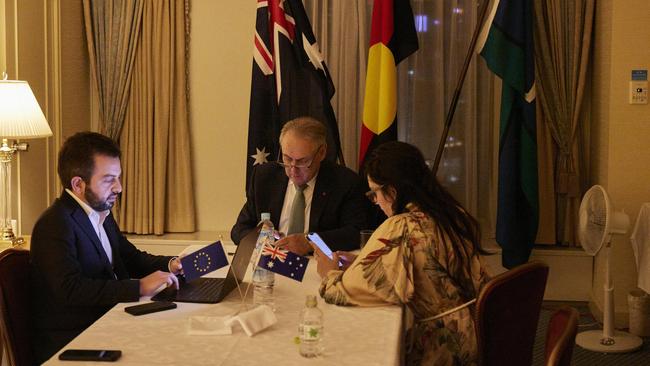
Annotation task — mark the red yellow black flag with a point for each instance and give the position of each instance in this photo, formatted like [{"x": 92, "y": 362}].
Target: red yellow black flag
[{"x": 392, "y": 39}]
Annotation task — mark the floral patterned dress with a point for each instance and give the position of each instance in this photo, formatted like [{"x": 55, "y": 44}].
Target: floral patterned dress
[{"x": 409, "y": 261}]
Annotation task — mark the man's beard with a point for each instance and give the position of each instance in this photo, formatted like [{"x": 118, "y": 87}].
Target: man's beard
[{"x": 95, "y": 202}]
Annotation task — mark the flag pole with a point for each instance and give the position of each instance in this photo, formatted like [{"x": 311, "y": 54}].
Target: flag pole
[{"x": 459, "y": 87}]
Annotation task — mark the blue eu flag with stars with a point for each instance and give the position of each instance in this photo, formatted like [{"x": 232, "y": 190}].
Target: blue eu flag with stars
[
  {"x": 283, "y": 262},
  {"x": 203, "y": 261}
]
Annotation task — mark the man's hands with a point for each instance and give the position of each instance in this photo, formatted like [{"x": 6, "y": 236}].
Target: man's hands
[
  {"x": 152, "y": 282},
  {"x": 296, "y": 243},
  {"x": 175, "y": 266}
]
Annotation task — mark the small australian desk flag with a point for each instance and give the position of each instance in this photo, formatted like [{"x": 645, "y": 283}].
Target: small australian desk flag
[
  {"x": 203, "y": 261},
  {"x": 283, "y": 262}
]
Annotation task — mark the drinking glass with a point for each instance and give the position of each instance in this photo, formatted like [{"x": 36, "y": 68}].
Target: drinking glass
[{"x": 364, "y": 235}]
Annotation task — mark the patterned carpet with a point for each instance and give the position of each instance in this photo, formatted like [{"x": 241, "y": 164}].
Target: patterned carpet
[{"x": 583, "y": 357}]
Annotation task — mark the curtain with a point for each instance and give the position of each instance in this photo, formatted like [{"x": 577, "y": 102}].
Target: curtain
[
  {"x": 112, "y": 34},
  {"x": 563, "y": 32},
  {"x": 158, "y": 194},
  {"x": 341, "y": 28},
  {"x": 426, "y": 82}
]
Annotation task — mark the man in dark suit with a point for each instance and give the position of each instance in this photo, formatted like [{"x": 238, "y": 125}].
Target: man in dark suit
[
  {"x": 81, "y": 264},
  {"x": 334, "y": 204}
]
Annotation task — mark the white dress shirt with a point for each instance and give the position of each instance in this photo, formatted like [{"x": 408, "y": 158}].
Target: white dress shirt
[
  {"x": 288, "y": 201},
  {"x": 97, "y": 220}
]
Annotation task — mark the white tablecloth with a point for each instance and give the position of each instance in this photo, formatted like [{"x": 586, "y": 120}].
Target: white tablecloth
[
  {"x": 640, "y": 240},
  {"x": 353, "y": 336}
]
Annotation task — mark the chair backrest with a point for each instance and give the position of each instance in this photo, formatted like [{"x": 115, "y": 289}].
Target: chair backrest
[
  {"x": 507, "y": 312},
  {"x": 15, "y": 305},
  {"x": 561, "y": 336}
]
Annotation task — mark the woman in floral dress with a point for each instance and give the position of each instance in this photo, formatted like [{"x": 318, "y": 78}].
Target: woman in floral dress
[{"x": 425, "y": 255}]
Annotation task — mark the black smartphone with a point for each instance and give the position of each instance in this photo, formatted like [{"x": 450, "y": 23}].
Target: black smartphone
[
  {"x": 151, "y": 307},
  {"x": 90, "y": 355}
]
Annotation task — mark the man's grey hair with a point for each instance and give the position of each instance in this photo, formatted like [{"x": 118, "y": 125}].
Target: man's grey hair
[{"x": 306, "y": 127}]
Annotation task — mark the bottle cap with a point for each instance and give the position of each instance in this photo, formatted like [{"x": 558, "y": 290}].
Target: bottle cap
[
  {"x": 311, "y": 301},
  {"x": 266, "y": 216}
]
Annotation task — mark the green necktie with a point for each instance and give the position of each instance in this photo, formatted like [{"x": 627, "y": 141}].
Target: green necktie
[{"x": 297, "y": 218}]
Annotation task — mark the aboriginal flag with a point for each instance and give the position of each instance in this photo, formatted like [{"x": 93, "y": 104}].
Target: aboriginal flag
[{"x": 392, "y": 39}]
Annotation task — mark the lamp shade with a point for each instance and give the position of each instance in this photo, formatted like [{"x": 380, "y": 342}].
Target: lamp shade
[{"x": 20, "y": 115}]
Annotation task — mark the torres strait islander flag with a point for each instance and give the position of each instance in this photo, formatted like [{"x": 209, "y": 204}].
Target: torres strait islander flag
[
  {"x": 392, "y": 39},
  {"x": 506, "y": 44}
]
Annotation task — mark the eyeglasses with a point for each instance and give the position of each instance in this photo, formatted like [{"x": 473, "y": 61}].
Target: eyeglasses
[
  {"x": 305, "y": 163},
  {"x": 372, "y": 193}
]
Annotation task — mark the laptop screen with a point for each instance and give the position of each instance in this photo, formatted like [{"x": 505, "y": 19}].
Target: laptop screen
[{"x": 240, "y": 261}]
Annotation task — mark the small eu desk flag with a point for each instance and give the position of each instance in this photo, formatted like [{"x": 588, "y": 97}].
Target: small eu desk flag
[
  {"x": 283, "y": 262},
  {"x": 204, "y": 261}
]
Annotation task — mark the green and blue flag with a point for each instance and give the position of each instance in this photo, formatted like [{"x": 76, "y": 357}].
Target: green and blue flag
[{"x": 508, "y": 51}]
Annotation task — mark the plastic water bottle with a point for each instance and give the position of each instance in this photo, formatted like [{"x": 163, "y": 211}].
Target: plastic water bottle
[
  {"x": 263, "y": 280},
  {"x": 310, "y": 328}
]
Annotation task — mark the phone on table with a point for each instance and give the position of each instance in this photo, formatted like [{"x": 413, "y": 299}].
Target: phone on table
[
  {"x": 320, "y": 243},
  {"x": 151, "y": 307},
  {"x": 90, "y": 355}
]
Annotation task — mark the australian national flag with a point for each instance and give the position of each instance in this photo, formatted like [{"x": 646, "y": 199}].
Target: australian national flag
[
  {"x": 283, "y": 262},
  {"x": 203, "y": 261},
  {"x": 289, "y": 80}
]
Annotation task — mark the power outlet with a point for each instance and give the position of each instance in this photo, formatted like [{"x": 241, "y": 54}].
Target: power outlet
[{"x": 639, "y": 92}]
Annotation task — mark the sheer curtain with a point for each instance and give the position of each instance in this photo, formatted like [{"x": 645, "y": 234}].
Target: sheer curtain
[
  {"x": 341, "y": 28},
  {"x": 426, "y": 83}
]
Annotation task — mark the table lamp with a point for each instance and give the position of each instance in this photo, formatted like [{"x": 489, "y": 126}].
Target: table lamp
[{"x": 20, "y": 118}]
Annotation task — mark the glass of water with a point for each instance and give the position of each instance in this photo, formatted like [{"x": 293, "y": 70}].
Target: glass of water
[{"x": 364, "y": 235}]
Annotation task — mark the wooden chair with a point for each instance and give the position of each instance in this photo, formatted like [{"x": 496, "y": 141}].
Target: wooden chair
[
  {"x": 561, "y": 336},
  {"x": 507, "y": 312},
  {"x": 15, "y": 305}
]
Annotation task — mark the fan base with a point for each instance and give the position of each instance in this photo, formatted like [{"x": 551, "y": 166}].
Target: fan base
[{"x": 623, "y": 342}]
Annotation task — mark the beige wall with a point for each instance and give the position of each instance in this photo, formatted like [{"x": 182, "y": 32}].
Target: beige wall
[
  {"x": 220, "y": 75},
  {"x": 621, "y": 131},
  {"x": 50, "y": 53},
  {"x": 41, "y": 42},
  {"x": 26, "y": 52},
  {"x": 3, "y": 48}
]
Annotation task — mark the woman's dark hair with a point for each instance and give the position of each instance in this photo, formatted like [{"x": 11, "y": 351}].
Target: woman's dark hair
[
  {"x": 77, "y": 155},
  {"x": 401, "y": 166}
]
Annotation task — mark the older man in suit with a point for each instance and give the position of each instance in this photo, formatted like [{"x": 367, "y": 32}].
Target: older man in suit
[
  {"x": 304, "y": 193},
  {"x": 81, "y": 264}
]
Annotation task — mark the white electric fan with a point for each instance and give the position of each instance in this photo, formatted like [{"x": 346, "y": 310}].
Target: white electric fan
[{"x": 597, "y": 223}]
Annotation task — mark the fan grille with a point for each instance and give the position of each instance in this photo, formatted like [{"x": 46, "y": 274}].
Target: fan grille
[{"x": 593, "y": 219}]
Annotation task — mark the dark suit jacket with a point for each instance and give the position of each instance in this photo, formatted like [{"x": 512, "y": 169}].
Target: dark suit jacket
[
  {"x": 73, "y": 283},
  {"x": 339, "y": 208}
]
